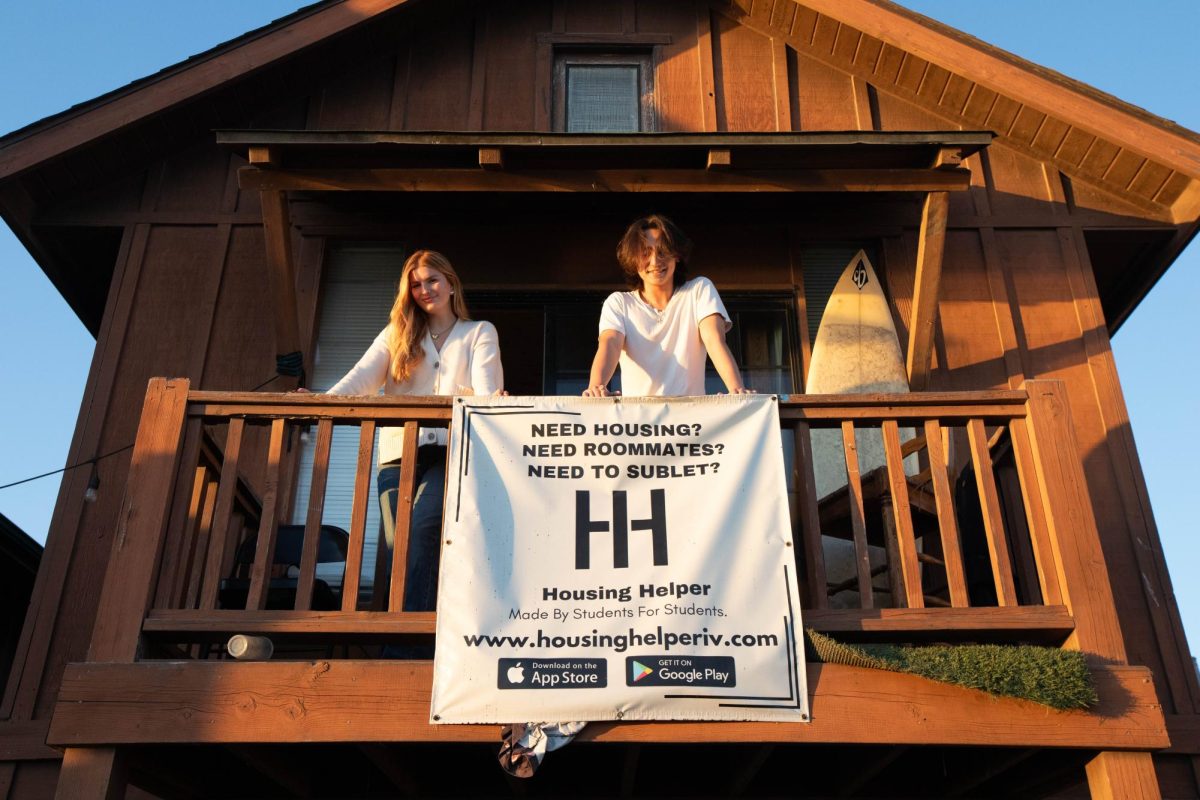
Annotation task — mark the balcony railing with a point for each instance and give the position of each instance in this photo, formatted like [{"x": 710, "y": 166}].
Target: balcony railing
[
  {"x": 921, "y": 516},
  {"x": 961, "y": 516}
]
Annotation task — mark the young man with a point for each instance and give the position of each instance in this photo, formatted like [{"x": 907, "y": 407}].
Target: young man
[{"x": 661, "y": 330}]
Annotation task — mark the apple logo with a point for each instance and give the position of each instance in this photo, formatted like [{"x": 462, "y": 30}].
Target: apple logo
[{"x": 516, "y": 673}]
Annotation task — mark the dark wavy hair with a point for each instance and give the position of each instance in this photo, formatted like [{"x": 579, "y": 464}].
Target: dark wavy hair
[{"x": 632, "y": 248}]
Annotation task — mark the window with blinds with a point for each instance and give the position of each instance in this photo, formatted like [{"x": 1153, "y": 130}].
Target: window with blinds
[
  {"x": 358, "y": 287},
  {"x": 602, "y": 99},
  {"x": 602, "y": 92}
]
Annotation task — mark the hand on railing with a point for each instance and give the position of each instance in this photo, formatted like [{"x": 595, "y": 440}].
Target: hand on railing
[{"x": 599, "y": 390}]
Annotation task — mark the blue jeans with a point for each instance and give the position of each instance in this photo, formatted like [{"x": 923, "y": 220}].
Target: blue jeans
[{"x": 425, "y": 533}]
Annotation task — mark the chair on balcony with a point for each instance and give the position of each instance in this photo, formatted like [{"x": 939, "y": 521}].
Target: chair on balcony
[
  {"x": 333, "y": 546},
  {"x": 879, "y": 521},
  {"x": 835, "y": 516}
]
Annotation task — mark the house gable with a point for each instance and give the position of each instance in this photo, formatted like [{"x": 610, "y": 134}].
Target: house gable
[{"x": 720, "y": 66}]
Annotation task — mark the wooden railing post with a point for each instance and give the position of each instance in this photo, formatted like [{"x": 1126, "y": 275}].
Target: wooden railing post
[
  {"x": 1079, "y": 559},
  {"x": 1083, "y": 576},
  {"x": 129, "y": 580}
]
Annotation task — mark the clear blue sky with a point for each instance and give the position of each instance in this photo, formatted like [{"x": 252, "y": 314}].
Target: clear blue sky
[{"x": 55, "y": 53}]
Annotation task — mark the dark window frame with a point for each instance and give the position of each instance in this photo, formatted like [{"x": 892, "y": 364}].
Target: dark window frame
[{"x": 640, "y": 57}]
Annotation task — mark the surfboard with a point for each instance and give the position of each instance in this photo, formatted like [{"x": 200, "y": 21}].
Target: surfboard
[{"x": 857, "y": 351}]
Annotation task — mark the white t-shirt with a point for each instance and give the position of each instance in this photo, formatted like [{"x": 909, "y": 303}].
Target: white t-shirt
[
  {"x": 663, "y": 354},
  {"x": 468, "y": 364}
]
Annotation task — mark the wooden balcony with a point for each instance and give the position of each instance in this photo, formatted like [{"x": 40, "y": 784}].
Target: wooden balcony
[{"x": 976, "y": 526}]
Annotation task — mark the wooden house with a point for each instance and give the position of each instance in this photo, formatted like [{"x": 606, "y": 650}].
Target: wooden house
[
  {"x": 19, "y": 558},
  {"x": 254, "y": 202}
]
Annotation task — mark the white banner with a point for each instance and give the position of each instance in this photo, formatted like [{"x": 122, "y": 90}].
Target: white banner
[{"x": 609, "y": 559}]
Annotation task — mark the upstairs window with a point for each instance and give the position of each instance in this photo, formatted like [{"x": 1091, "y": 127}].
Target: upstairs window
[{"x": 602, "y": 92}]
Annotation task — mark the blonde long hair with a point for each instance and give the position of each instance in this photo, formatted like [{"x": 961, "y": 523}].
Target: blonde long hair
[{"x": 408, "y": 322}]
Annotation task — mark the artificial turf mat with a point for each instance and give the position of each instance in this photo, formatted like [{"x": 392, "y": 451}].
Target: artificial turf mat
[{"x": 1047, "y": 675}]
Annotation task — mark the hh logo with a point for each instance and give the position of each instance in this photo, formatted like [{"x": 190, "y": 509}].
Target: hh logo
[{"x": 620, "y": 526}]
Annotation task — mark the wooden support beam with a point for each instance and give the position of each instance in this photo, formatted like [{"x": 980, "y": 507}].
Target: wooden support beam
[
  {"x": 300, "y": 702},
  {"x": 281, "y": 275},
  {"x": 930, "y": 246},
  {"x": 594, "y": 180},
  {"x": 868, "y": 770},
  {"x": 977, "y": 776},
  {"x": 719, "y": 158},
  {"x": 491, "y": 158},
  {"x": 1185, "y": 733},
  {"x": 293, "y": 775},
  {"x": 629, "y": 769},
  {"x": 1122, "y": 776},
  {"x": 1074, "y": 538},
  {"x": 1049, "y": 624},
  {"x": 219, "y": 624},
  {"x": 746, "y": 770},
  {"x": 91, "y": 773},
  {"x": 262, "y": 155},
  {"x": 390, "y": 763},
  {"x": 26, "y": 741},
  {"x": 138, "y": 540},
  {"x": 948, "y": 158}
]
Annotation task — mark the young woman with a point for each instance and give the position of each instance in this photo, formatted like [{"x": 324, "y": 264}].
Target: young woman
[
  {"x": 430, "y": 346},
  {"x": 661, "y": 330}
]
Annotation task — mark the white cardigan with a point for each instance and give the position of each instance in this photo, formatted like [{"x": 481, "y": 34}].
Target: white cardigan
[{"x": 468, "y": 364}]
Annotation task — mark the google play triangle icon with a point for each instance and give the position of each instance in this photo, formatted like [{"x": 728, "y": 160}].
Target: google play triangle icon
[{"x": 639, "y": 670}]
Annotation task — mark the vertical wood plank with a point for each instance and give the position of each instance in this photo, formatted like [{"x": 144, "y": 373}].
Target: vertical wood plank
[
  {"x": 629, "y": 16},
  {"x": 237, "y": 533},
  {"x": 1083, "y": 575},
  {"x": 1179, "y": 670},
  {"x": 930, "y": 246},
  {"x": 179, "y": 575},
  {"x": 181, "y": 508},
  {"x": 281, "y": 276},
  {"x": 810, "y": 520},
  {"x": 264, "y": 553},
  {"x": 358, "y": 514},
  {"x": 862, "y": 105},
  {"x": 398, "y": 108},
  {"x": 91, "y": 773},
  {"x": 316, "y": 507},
  {"x": 796, "y": 264},
  {"x": 288, "y": 464},
  {"x": 137, "y": 545},
  {"x": 858, "y": 522},
  {"x": 1025, "y": 569},
  {"x": 947, "y": 523},
  {"x": 1122, "y": 776},
  {"x": 544, "y": 83},
  {"x": 902, "y": 516},
  {"x": 195, "y": 568},
  {"x": 214, "y": 567},
  {"x": 704, "y": 51},
  {"x": 478, "y": 69},
  {"x": 404, "y": 500},
  {"x": 782, "y": 84},
  {"x": 993, "y": 519},
  {"x": 891, "y": 544},
  {"x": 1043, "y": 552}
]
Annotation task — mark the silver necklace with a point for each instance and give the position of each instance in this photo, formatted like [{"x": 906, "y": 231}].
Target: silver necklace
[{"x": 437, "y": 336}]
